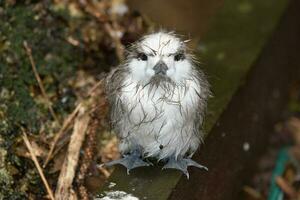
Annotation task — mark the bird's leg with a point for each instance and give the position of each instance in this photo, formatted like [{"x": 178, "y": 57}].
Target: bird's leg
[
  {"x": 182, "y": 164},
  {"x": 130, "y": 161}
]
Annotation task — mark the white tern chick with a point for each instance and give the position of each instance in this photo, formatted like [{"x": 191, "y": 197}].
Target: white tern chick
[{"x": 157, "y": 102}]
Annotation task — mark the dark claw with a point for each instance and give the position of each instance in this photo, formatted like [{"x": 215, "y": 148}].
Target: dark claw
[
  {"x": 129, "y": 161},
  {"x": 182, "y": 165}
]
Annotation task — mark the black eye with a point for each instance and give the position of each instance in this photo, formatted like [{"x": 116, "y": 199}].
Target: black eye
[
  {"x": 142, "y": 56},
  {"x": 179, "y": 56}
]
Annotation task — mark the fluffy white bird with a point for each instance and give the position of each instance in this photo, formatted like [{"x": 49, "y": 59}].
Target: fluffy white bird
[{"x": 157, "y": 103}]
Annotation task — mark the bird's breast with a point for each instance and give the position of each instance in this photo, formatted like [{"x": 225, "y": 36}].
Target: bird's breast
[
  {"x": 145, "y": 106},
  {"x": 159, "y": 121}
]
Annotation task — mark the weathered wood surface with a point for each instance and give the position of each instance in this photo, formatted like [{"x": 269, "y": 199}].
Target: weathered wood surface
[
  {"x": 249, "y": 119},
  {"x": 235, "y": 40}
]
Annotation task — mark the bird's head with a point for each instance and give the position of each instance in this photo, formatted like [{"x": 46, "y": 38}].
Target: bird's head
[{"x": 159, "y": 57}]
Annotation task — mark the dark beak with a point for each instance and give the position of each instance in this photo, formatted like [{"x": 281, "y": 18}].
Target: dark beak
[{"x": 160, "y": 68}]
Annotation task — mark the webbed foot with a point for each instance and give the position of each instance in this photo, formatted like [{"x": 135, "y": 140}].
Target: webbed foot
[
  {"x": 182, "y": 164},
  {"x": 130, "y": 161}
]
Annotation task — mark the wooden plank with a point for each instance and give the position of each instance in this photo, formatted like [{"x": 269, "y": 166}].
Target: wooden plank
[
  {"x": 242, "y": 132},
  {"x": 237, "y": 36}
]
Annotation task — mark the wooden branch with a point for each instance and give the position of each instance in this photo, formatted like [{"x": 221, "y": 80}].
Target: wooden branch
[
  {"x": 36, "y": 163},
  {"x": 64, "y": 185}
]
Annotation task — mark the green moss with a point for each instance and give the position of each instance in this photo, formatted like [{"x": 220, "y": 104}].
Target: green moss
[
  {"x": 56, "y": 61},
  {"x": 7, "y": 184}
]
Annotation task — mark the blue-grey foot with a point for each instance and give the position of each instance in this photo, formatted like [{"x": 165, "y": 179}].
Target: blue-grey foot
[
  {"x": 130, "y": 161},
  {"x": 182, "y": 164}
]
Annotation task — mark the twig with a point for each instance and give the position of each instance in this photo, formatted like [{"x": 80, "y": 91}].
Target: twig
[
  {"x": 38, "y": 78},
  {"x": 105, "y": 172},
  {"x": 86, "y": 7},
  {"x": 33, "y": 157},
  {"x": 119, "y": 47},
  {"x": 252, "y": 192},
  {"x": 67, "y": 173},
  {"x": 91, "y": 91},
  {"x": 67, "y": 123},
  {"x": 87, "y": 157},
  {"x": 286, "y": 187}
]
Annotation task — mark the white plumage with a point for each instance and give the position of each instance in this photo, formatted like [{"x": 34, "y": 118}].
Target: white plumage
[{"x": 158, "y": 98}]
